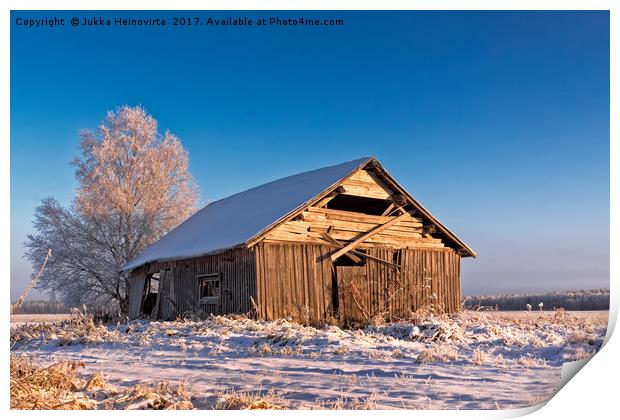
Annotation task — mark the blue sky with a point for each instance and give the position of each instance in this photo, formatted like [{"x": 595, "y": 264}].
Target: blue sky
[{"x": 498, "y": 122}]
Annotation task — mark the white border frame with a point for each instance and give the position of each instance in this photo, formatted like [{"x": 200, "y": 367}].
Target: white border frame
[{"x": 591, "y": 394}]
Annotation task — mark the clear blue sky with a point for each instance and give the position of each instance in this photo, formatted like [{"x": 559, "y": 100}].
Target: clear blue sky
[{"x": 498, "y": 122}]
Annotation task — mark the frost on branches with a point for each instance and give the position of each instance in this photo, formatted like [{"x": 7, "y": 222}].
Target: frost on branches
[{"x": 133, "y": 187}]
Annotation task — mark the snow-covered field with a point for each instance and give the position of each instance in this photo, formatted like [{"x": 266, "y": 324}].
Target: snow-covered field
[{"x": 474, "y": 360}]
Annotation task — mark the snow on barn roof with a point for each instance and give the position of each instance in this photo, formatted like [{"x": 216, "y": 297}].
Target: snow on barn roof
[
  {"x": 241, "y": 218},
  {"x": 234, "y": 220}
]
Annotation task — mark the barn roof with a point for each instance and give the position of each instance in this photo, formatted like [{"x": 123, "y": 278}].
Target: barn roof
[{"x": 240, "y": 218}]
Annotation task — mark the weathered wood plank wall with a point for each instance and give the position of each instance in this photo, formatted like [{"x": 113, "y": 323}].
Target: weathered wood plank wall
[
  {"x": 348, "y": 226},
  {"x": 293, "y": 280},
  {"x": 136, "y": 286},
  {"x": 179, "y": 287},
  {"x": 289, "y": 279},
  {"x": 426, "y": 277}
]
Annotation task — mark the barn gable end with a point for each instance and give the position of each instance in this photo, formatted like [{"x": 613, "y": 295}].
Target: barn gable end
[
  {"x": 401, "y": 261},
  {"x": 360, "y": 202}
]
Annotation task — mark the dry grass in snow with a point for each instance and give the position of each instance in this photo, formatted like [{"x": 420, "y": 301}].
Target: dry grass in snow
[
  {"x": 248, "y": 401},
  {"x": 469, "y": 360},
  {"x": 61, "y": 386}
]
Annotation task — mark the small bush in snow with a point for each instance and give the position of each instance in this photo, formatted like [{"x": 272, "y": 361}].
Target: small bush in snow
[
  {"x": 438, "y": 354},
  {"x": 528, "y": 361},
  {"x": 579, "y": 354},
  {"x": 480, "y": 356},
  {"x": 249, "y": 401}
]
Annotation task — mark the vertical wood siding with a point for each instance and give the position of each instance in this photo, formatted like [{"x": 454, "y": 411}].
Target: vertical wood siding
[
  {"x": 294, "y": 280},
  {"x": 136, "y": 286},
  {"x": 179, "y": 287}
]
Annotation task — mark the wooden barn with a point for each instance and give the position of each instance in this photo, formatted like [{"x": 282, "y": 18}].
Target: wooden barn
[{"x": 344, "y": 243}]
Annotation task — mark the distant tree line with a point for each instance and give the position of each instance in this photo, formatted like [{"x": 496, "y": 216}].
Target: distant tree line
[
  {"x": 576, "y": 300},
  {"x": 41, "y": 307}
]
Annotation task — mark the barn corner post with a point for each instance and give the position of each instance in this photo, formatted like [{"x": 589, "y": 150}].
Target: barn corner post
[{"x": 361, "y": 249}]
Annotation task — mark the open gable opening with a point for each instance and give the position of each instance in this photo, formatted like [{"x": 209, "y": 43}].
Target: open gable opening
[{"x": 354, "y": 203}]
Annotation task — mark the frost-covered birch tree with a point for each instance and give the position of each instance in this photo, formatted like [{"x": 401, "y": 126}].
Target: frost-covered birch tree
[{"x": 133, "y": 187}]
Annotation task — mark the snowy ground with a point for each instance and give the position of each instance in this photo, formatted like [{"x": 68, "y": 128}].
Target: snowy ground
[{"x": 475, "y": 360}]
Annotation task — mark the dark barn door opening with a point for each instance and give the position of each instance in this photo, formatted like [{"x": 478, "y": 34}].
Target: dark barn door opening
[
  {"x": 335, "y": 299},
  {"x": 150, "y": 295},
  {"x": 350, "y": 290}
]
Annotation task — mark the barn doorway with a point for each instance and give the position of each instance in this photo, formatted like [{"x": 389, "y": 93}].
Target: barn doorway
[
  {"x": 150, "y": 294},
  {"x": 350, "y": 290}
]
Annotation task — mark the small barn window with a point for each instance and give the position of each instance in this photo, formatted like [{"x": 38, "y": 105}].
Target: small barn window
[
  {"x": 154, "y": 283},
  {"x": 210, "y": 288}
]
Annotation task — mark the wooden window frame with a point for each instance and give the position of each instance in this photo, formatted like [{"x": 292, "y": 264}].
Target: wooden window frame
[{"x": 209, "y": 277}]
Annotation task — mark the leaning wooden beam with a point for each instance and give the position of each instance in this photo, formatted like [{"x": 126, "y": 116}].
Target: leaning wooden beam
[
  {"x": 388, "y": 210},
  {"x": 325, "y": 200},
  {"x": 330, "y": 197},
  {"x": 377, "y": 259},
  {"x": 339, "y": 244},
  {"x": 353, "y": 253},
  {"x": 368, "y": 234}
]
